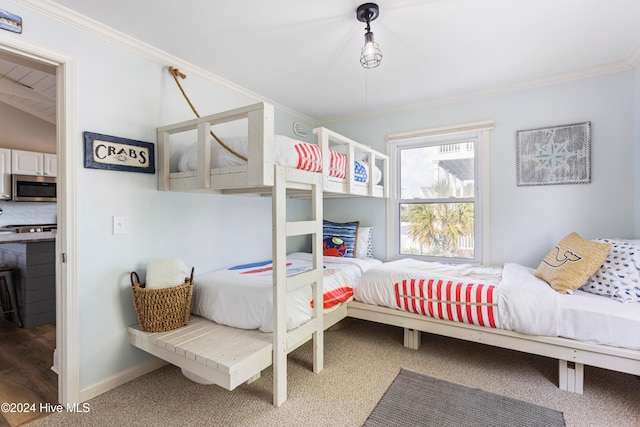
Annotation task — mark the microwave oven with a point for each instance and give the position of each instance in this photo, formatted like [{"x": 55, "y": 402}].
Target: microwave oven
[{"x": 33, "y": 188}]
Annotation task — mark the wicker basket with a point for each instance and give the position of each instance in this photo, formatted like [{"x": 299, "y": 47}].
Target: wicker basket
[{"x": 162, "y": 309}]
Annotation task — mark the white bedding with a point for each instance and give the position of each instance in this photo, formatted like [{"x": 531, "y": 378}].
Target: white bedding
[
  {"x": 287, "y": 152},
  {"x": 242, "y": 296},
  {"x": 521, "y": 302}
]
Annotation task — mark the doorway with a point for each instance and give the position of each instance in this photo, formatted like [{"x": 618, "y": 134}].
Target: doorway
[
  {"x": 65, "y": 358},
  {"x": 28, "y": 333}
]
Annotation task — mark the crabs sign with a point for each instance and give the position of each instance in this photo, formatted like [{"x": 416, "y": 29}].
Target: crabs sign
[{"x": 113, "y": 153}]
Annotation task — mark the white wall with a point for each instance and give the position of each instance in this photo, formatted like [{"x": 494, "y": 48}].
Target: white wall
[
  {"x": 527, "y": 221},
  {"x": 22, "y": 131}
]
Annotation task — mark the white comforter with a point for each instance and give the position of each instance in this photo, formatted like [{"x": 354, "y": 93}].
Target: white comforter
[
  {"x": 521, "y": 302},
  {"x": 242, "y": 296}
]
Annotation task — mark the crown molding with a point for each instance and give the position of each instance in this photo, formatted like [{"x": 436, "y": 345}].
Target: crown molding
[{"x": 84, "y": 23}]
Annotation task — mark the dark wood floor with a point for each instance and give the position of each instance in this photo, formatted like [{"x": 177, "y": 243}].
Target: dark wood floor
[{"x": 26, "y": 356}]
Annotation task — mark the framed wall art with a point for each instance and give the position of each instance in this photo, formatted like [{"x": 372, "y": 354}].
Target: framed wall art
[
  {"x": 120, "y": 154},
  {"x": 554, "y": 155}
]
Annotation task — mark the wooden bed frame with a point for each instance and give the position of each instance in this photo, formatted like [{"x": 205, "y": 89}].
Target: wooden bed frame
[
  {"x": 571, "y": 354},
  {"x": 256, "y": 177}
]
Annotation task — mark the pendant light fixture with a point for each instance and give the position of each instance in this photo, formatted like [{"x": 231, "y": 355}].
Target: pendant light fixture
[{"x": 370, "y": 56}]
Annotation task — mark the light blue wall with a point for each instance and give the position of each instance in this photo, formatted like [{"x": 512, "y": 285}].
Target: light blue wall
[{"x": 525, "y": 222}]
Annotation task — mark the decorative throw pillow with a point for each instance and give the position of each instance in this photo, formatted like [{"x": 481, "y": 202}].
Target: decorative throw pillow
[
  {"x": 334, "y": 246},
  {"x": 619, "y": 276},
  {"x": 364, "y": 243},
  {"x": 166, "y": 273},
  {"x": 571, "y": 262},
  {"x": 360, "y": 172},
  {"x": 346, "y": 231}
]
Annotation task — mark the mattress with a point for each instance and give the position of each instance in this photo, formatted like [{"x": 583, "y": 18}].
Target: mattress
[
  {"x": 242, "y": 296},
  {"x": 287, "y": 152},
  {"x": 510, "y": 298}
]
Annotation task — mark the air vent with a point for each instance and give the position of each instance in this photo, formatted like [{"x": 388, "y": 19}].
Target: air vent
[{"x": 301, "y": 129}]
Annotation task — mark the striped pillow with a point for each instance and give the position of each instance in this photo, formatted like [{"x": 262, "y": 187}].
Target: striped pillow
[{"x": 347, "y": 231}]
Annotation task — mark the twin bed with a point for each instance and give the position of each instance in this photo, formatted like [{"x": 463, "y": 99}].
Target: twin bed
[
  {"x": 506, "y": 307},
  {"x": 229, "y": 345}
]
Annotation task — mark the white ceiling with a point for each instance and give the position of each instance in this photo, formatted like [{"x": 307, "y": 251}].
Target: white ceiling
[
  {"x": 305, "y": 55},
  {"x": 28, "y": 86}
]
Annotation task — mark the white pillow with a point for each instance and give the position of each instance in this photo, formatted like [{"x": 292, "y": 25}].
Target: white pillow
[
  {"x": 166, "y": 273},
  {"x": 220, "y": 156},
  {"x": 364, "y": 245}
]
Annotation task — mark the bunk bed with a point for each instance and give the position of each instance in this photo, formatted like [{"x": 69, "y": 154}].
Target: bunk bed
[
  {"x": 229, "y": 356},
  {"x": 256, "y": 174},
  {"x": 506, "y": 307}
]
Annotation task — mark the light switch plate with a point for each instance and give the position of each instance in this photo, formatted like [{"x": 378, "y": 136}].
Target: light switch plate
[{"x": 119, "y": 224}]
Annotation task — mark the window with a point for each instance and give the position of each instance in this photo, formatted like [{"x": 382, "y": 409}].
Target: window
[{"x": 436, "y": 209}]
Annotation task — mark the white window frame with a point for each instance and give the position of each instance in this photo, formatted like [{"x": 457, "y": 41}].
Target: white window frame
[{"x": 480, "y": 133}]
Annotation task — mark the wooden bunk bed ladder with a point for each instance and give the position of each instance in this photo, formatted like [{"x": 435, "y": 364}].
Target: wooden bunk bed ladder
[{"x": 283, "y": 341}]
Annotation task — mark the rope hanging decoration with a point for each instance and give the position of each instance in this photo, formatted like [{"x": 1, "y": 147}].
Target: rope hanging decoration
[{"x": 176, "y": 73}]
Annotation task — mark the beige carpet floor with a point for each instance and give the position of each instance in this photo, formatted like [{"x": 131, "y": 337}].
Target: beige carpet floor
[{"x": 361, "y": 361}]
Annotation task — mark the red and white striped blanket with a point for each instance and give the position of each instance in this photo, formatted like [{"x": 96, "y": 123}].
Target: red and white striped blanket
[
  {"x": 460, "y": 293},
  {"x": 467, "y": 302}
]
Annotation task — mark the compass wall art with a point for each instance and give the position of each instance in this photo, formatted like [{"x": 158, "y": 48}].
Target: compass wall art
[{"x": 554, "y": 155}]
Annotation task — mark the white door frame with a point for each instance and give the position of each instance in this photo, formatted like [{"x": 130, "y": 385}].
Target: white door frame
[{"x": 67, "y": 354}]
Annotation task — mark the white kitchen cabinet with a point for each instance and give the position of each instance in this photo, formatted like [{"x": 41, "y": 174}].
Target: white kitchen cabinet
[
  {"x": 50, "y": 164},
  {"x": 5, "y": 174},
  {"x": 33, "y": 163}
]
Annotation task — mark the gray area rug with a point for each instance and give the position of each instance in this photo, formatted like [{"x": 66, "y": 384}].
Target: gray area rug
[{"x": 414, "y": 399}]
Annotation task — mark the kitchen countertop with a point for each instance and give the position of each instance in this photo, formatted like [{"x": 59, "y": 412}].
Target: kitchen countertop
[{"x": 27, "y": 237}]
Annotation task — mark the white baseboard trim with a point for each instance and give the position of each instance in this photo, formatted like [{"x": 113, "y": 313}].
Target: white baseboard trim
[{"x": 120, "y": 378}]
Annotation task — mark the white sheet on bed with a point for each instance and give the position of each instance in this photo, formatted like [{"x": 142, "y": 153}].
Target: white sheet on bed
[
  {"x": 243, "y": 298},
  {"x": 285, "y": 154},
  {"x": 526, "y": 304},
  {"x": 531, "y": 306}
]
